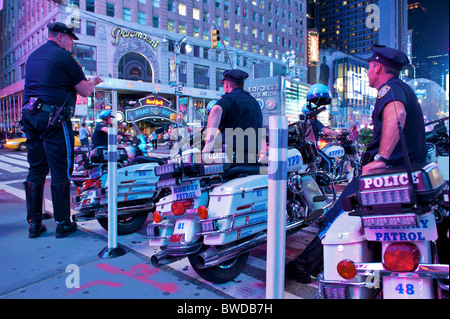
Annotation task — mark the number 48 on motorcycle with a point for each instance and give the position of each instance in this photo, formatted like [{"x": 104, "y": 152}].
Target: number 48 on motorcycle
[{"x": 409, "y": 289}]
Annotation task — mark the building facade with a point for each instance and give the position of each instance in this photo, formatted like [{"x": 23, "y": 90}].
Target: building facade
[
  {"x": 347, "y": 31},
  {"x": 138, "y": 46},
  {"x": 353, "y": 26}
]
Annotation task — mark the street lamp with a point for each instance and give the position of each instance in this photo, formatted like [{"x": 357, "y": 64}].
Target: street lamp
[{"x": 177, "y": 49}]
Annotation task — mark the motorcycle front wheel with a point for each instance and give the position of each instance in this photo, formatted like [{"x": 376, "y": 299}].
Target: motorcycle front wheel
[
  {"x": 126, "y": 224},
  {"x": 222, "y": 273}
]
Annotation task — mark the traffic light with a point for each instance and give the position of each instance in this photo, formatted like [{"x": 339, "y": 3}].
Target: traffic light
[{"x": 215, "y": 38}]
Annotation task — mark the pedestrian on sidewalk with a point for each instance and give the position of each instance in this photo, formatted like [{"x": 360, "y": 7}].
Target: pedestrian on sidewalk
[
  {"x": 154, "y": 140},
  {"x": 53, "y": 77},
  {"x": 84, "y": 135}
]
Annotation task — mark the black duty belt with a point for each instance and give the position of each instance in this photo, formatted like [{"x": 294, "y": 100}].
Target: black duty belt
[
  {"x": 67, "y": 112},
  {"x": 41, "y": 107}
]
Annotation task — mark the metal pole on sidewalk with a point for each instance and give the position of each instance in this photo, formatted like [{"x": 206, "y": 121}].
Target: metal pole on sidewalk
[
  {"x": 113, "y": 249},
  {"x": 276, "y": 219}
]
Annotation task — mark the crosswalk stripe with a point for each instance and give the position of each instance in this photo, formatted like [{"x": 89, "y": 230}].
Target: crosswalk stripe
[
  {"x": 11, "y": 168},
  {"x": 21, "y": 156},
  {"x": 8, "y": 159}
]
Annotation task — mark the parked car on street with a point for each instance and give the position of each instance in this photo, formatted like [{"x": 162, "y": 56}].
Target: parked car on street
[{"x": 19, "y": 142}]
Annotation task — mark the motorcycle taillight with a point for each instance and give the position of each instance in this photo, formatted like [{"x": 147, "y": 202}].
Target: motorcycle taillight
[
  {"x": 89, "y": 183},
  {"x": 157, "y": 217},
  {"x": 203, "y": 212},
  {"x": 346, "y": 269},
  {"x": 401, "y": 257},
  {"x": 179, "y": 208}
]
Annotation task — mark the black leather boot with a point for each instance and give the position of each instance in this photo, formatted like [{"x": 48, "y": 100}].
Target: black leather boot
[
  {"x": 61, "y": 210},
  {"x": 308, "y": 263},
  {"x": 34, "y": 194}
]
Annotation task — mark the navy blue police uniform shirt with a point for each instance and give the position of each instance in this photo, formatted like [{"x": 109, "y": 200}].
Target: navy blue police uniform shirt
[
  {"x": 316, "y": 126},
  {"x": 414, "y": 129},
  {"x": 240, "y": 110},
  {"x": 100, "y": 138},
  {"x": 51, "y": 73}
]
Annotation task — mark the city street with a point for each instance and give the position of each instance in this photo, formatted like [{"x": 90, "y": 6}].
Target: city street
[{"x": 42, "y": 267}]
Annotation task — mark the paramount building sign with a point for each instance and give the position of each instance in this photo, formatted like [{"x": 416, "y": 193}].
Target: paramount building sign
[{"x": 118, "y": 32}]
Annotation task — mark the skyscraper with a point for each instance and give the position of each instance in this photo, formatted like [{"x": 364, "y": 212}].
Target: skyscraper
[{"x": 353, "y": 26}]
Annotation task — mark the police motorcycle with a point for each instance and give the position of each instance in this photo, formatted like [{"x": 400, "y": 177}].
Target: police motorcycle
[
  {"x": 343, "y": 156},
  {"x": 136, "y": 146},
  {"x": 339, "y": 153},
  {"x": 136, "y": 190},
  {"x": 133, "y": 149},
  {"x": 392, "y": 240},
  {"x": 216, "y": 214},
  {"x": 79, "y": 174}
]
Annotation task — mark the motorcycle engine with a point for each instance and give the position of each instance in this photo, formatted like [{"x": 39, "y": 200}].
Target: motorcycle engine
[{"x": 296, "y": 206}]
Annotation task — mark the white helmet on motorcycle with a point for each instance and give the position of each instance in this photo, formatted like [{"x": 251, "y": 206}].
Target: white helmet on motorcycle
[{"x": 319, "y": 94}]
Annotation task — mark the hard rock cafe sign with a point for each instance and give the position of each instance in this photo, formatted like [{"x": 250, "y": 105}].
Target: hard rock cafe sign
[
  {"x": 150, "y": 107},
  {"x": 118, "y": 32}
]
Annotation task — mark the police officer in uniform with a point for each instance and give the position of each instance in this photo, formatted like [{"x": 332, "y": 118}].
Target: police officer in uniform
[
  {"x": 396, "y": 101},
  {"x": 235, "y": 109},
  {"x": 53, "y": 77},
  {"x": 100, "y": 136}
]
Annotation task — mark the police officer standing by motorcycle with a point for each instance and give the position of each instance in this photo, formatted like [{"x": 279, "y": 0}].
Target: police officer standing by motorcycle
[
  {"x": 53, "y": 77},
  {"x": 396, "y": 102},
  {"x": 236, "y": 109},
  {"x": 100, "y": 136}
]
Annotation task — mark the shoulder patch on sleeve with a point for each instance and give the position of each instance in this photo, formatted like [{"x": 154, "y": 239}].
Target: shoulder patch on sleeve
[
  {"x": 382, "y": 92},
  {"x": 76, "y": 60}
]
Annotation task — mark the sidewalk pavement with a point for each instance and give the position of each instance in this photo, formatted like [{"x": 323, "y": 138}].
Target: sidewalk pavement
[{"x": 50, "y": 268}]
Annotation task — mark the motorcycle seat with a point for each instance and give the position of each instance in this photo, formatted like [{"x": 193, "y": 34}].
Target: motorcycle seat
[
  {"x": 146, "y": 159},
  {"x": 241, "y": 171}
]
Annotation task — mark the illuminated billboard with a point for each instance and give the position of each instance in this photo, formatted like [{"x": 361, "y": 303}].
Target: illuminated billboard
[{"x": 313, "y": 48}]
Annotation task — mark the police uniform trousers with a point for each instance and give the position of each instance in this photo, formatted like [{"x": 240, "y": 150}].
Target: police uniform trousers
[
  {"x": 50, "y": 149},
  {"x": 311, "y": 259}
]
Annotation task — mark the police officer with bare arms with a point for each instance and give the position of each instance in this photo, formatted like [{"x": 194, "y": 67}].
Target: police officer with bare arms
[
  {"x": 396, "y": 101},
  {"x": 53, "y": 77},
  {"x": 236, "y": 110}
]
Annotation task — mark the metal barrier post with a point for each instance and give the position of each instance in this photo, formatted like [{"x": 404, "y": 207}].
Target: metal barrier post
[
  {"x": 113, "y": 249},
  {"x": 276, "y": 219}
]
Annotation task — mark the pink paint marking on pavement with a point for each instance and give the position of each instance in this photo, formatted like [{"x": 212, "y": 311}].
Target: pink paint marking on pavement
[{"x": 141, "y": 272}]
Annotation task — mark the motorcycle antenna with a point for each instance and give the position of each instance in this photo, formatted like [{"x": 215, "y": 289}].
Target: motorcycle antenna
[{"x": 405, "y": 156}]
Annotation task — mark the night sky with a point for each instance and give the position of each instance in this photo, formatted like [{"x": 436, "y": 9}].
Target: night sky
[{"x": 436, "y": 25}]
